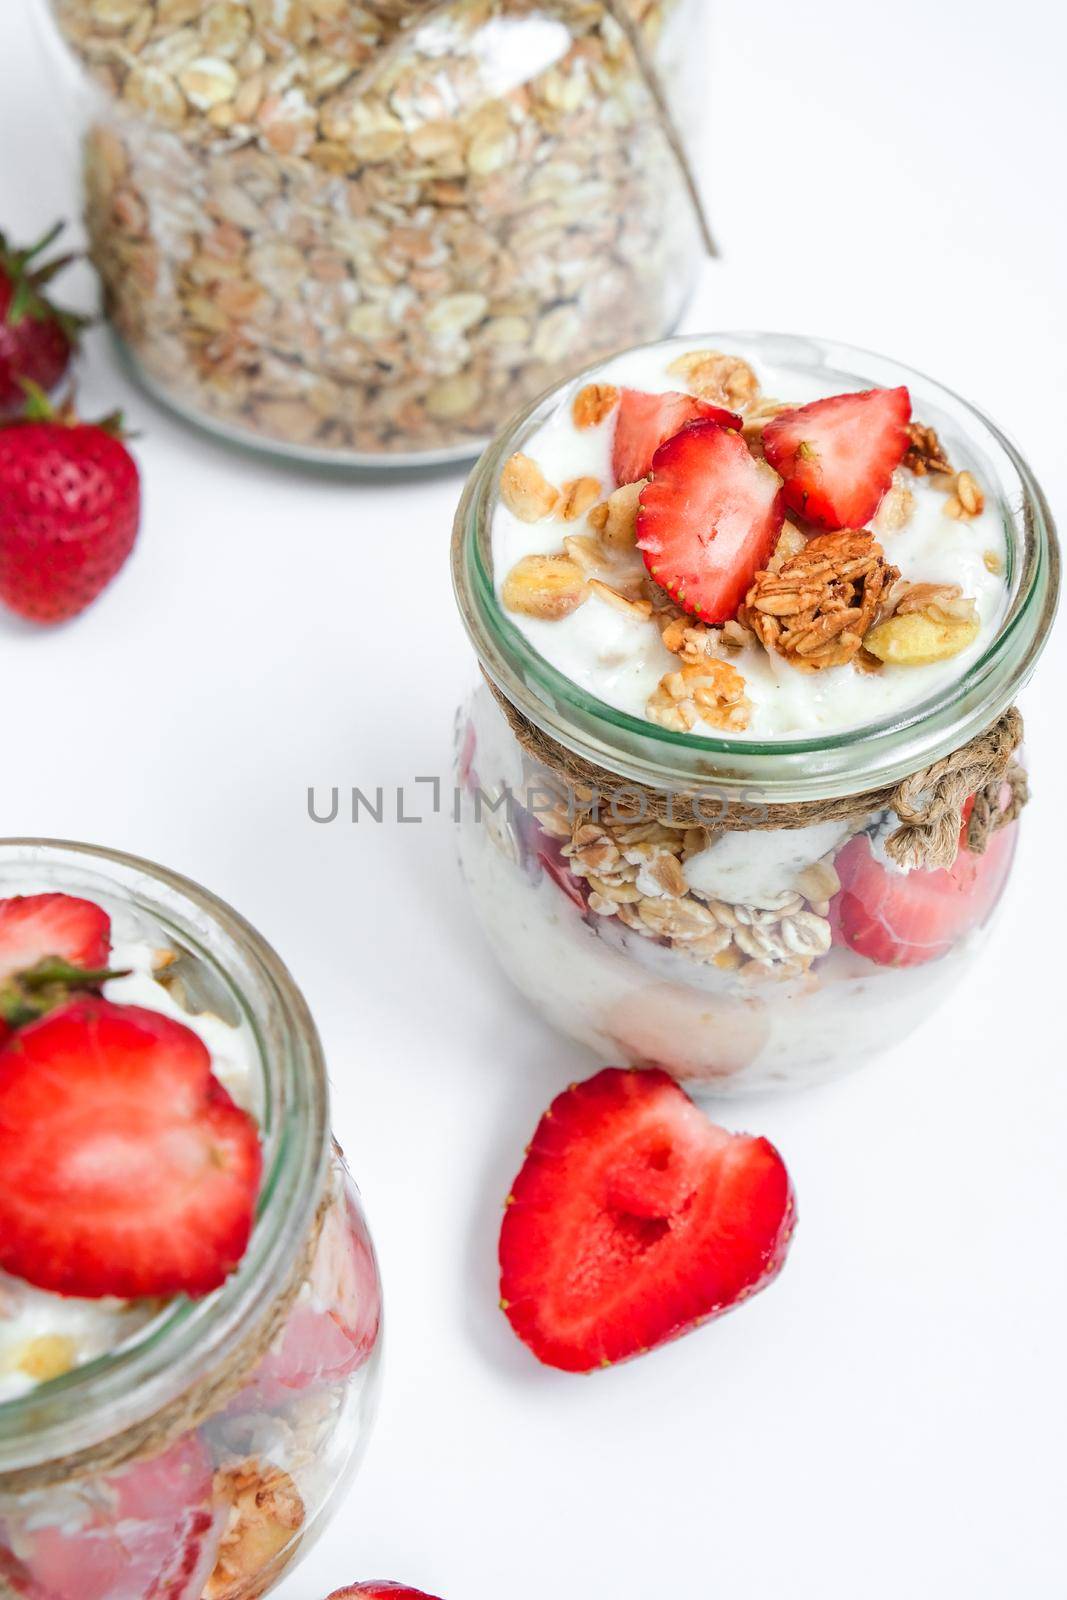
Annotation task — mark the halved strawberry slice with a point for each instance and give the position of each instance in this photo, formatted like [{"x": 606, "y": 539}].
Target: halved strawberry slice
[
  {"x": 330, "y": 1336},
  {"x": 36, "y": 926},
  {"x": 838, "y": 456},
  {"x": 709, "y": 520},
  {"x": 635, "y": 1218},
  {"x": 148, "y": 1532},
  {"x": 125, "y": 1167},
  {"x": 645, "y": 421},
  {"x": 899, "y": 919},
  {"x": 380, "y": 1589}
]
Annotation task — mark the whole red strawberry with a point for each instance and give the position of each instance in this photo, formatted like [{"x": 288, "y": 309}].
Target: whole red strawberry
[
  {"x": 70, "y": 507},
  {"x": 37, "y": 339}
]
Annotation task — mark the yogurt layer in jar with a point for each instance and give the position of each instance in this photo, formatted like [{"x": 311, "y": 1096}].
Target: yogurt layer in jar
[
  {"x": 769, "y": 572},
  {"x": 187, "y": 1443}
]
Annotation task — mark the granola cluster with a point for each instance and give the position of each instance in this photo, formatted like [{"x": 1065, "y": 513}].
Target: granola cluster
[
  {"x": 636, "y": 874},
  {"x": 319, "y": 232},
  {"x": 264, "y": 1514},
  {"x": 817, "y": 608}
]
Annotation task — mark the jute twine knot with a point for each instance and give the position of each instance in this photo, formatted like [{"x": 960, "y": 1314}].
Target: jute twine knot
[
  {"x": 207, "y": 1396},
  {"x": 405, "y": 13},
  {"x": 928, "y": 804}
]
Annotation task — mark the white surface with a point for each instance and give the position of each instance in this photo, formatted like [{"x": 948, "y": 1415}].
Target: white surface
[{"x": 888, "y": 1419}]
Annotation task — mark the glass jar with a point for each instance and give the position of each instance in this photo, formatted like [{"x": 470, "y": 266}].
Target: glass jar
[
  {"x": 350, "y": 238},
  {"x": 592, "y": 905},
  {"x": 206, "y": 1449}
]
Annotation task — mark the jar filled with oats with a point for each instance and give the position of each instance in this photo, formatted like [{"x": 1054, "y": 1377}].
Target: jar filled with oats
[
  {"x": 360, "y": 233},
  {"x": 190, "y": 1306},
  {"x": 738, "y": 787}
]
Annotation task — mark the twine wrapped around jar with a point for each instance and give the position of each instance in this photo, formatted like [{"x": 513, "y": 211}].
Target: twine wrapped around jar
[
  {"x": 928, "y": 804},
  {"x": 203, "y": 1399},
  {"x": 407, "y": 13}
]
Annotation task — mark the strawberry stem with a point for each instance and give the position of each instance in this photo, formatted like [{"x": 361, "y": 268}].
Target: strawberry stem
[{"x": 43, "y": 987}]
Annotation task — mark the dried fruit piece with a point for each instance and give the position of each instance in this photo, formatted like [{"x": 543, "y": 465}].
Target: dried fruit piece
[
  {"x": 837, "y": 456},
  {"x": 718, "y": 378},
  {"x": 917, "y": 639},
  {"x": 709, "y": 519},
  {"x": 646, "y": 421},
  {"x": 594, "y": 404},
  {"x": 576, "y": 498},
  {"x": 817, "y": 609},
  {"x": 526, "y": 491},
  {"x": 633, "y": 1220},
  {"x": 549, "y": 587},
  {"x": 265, "y": 1512},
  {"x": 708, "y": 690}
]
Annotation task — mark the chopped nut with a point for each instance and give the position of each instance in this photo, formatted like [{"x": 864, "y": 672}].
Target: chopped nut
[
  {"x": 711, "y": 691},
  {"x": 577, "y": 497},
  {"x": 717, "y": 378},
  {"x": 819, "y": 882},
  {"x": 549, "y": 587},
  {"x": 895, "y": 511},
  {"x": 969, "y": 495},
  {"x": 689, "y": 639},
  {"x": 594, "y": 403},
  {"x": 917, "y": 640},
  {"x": 48, "y": 1356},
  {"x": 734, "y": 636},
  {"x": 615, "y": 519},
  {"x": 925, "y": 453},
  {"x": 638, "y": 610},
  {"x": 525, "y": 490},
  {"x": 816, "y": 610},
  {"x": 941, "y": 602}
]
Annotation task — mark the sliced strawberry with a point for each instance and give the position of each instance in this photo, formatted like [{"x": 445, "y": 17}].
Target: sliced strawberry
[
  {"x": 327, "y": 1339},
  {"x": 125, "y": 1167},
  {"x": 633, "y": 1219},
  {"x": 380, "y": 1589},
  {"x": 838, "y": 456},
  {"x": 645, "y": 421},
  {"x": 35, "y": 926},
  {"x": 709, "y": 520},
  {"x": 149, "y": 1532},
  {"x": 900, "y": 919}
]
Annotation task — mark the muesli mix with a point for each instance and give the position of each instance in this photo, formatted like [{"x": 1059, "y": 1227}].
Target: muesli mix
[
  {"x": 317, "y": 229},
  {"x": 708, "y": 558}
]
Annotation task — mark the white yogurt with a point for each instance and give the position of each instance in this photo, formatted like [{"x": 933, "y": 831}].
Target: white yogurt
[
  {"x": 100, "y": 1327},
  {"x": 620, "y": 660}
]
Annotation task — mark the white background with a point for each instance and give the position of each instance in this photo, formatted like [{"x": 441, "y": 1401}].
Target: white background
[{"x": 888, "y": 1419}]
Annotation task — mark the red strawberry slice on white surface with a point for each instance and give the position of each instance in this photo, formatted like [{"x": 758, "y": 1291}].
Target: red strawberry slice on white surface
[
  {"x": 125, "y": 1167},
  {"x": 709, "y": 519},
  {"x": 645, "y": 421},
  {"x": 147, "y": 1532},
  {"x": 634, "y": 1219},
  {"x": 837, "y": 456},
  {"x": 899, "y": 919},
  {"x": 36, "y": 926}
]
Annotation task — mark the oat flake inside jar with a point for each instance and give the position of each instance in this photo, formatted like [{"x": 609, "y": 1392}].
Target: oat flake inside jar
[{"x": 362, "y": 233}]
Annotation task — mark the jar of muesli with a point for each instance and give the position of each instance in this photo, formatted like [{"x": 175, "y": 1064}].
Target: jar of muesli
[
  {"x": 188, "y": 1447},
  {"x": 738, "y": 786},
  {"x": 360, "y": 233}
]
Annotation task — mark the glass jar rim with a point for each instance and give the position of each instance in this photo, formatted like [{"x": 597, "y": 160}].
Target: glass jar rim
[
  {"x": 821, "y": 767},
  {"x": 103, "y": 1397}
]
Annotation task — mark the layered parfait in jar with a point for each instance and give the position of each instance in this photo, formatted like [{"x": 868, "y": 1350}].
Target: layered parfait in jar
[
  {"x": 190, "y": 1306},
  {"x": 740, "y": 785}
]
